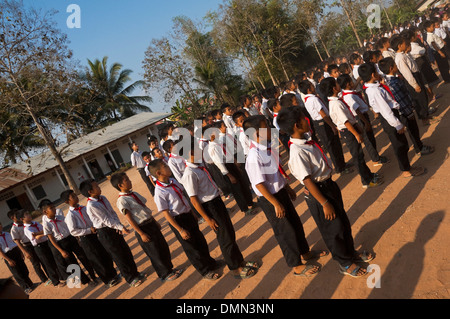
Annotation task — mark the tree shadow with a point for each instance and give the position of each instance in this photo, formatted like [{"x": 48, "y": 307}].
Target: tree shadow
[{"x": 411, "y": 258}]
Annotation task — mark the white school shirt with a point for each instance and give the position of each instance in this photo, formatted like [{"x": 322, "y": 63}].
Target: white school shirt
[
  {"x": 204, "y": 146},
  {"x": 307, "y": 160},
  {"x": 229, "y": 123},
  {"x": 57, "y": 227},
  {"x": 78, "y": 221},
  {"x": 6, "y": 242},
  {"x": 326, "y": 75},
  {"x": 382, "y": 102},
  {"x": 440, "y": 33},
  {"x": 275, "y": 122},
  {"x": 102, "y": 214},
  {"x": 217, "y": 155},
  {"x": 230, "y": 143},
  {"x": 251, "y": 110},
  {"x": 199, "y": 183},
  {"x": 446, "y": 25},
  {"x": 339, "y": 113},
  {"x": 170, "y": 197},
  {"x": 135, "y": 204},
  {"x": 262, "y": 166},
  {"x": 431, "y": 37},
  {"x": 354, "y": 101},
  {"x": 407, "y": 66},
  {"x": 389, "y": 53},
  {"x": 34, "y": 228},
  {"x": 264, "y": 106},
  {"x": 244, "y": 140},
  {"x": 18, "y": 233},
  {"x": 314, "y": 105},
  {"x": 416, "y": 50},
  {"x": 45, "y": 219},
  {"x": 136, "y": 160},
  {"x": 355, "y": 71},
  {"x": 177, "y": 164}
]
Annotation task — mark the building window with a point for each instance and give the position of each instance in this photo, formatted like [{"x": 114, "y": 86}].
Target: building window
[{"x": 39, "y": 192}]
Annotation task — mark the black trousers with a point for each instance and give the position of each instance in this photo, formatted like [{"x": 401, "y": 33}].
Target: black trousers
[
  {"x": 419, "y": 100},
  {"x": 442, "y": 65},
  {"x": 358, "y": 156},
  {"x": 336, "y": 233},
  {"x": 196, "y": 247},
  {"x": 399, "y": 143},
  {"x": 99, "y": 258},
  {"x": 45, "y": 255},
  {"x": 157, "y": 249},
  {"x": 370, "y": 142},
  {"x": 19, "y": 271},
  {"x": 71, "y": 246},
  {"x": 413, "y": 131},
  {"x": 240, "y": 190},
  {"x": 218, "y": 178},
  {"x": 120, "y": 252},
  {"x": 226, "y": 236},
  {"x": 35, "y": 262},
  {"x": 331, "y": 143},
  {"x": 147, "y": 181},
  {"x": 288, "y": 230}
]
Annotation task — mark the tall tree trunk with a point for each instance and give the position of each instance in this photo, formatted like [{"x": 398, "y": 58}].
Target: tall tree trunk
[
  {"x": 317, "y": 49},
  {"x": 323, "y": 43},
  {"x": 265, "y": 61},
  {"x": 352, "y": 24}
]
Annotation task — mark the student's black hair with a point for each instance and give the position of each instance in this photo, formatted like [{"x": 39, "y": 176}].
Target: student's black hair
[
  {"x": 65, "y": 195},
  {"x": 156, "y": 148},
  {"x": 154, "y": 166},
  {"x": 397, "y": 40},
  {"x": 86, "y": 187},
  {"x": 286, "y": 100},
  {"x": 381, "y": 42},
  {"x": 217, "y": 124},
  {"x": 167, "y": 145},
  {"x": 317, "y": 77},
  {"x": 144, "y": 154},
  {"x": 304, "y": 86},
  {"x": 332, "y": 67},
  {"x": 366, "y": 70},
  {"x": 21, "y": 213},
  {"x": 253, "y": 122},
  {"x": 287, "y": 118},
  {"x": 344, "y": 67},
  {"x": 224, "y": 106},
  {"x": 271, "y": 103},
  {"x": 343, "y": 80},
  {"x": 386, "y": 64},
  {"x": 327, "y": 85},
  {"x": 12, "y": 213},
  {"x": 243, "y": 98},
  {"x": 151, "y": 139},
  {"x": 44, "y": 204},
  {"x": 353, "y": 57},
  {"x": 117, "y": 179},
  {"x": 369, "y": 55},
  {"x": 215, "y": 112},
  {"x": 237, "y": 115}
]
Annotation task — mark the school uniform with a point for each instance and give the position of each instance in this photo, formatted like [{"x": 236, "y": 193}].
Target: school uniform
[
  {"x": 418, "y": 53},
  {"x": 107, "y": 223},
  {"x": 442, "y": 62},
  {"x": 176, "y": 165},
  {"x": 79, "y": 225},
  {"x": 355, "y": 101},
  {"x": 42, "y": 248},
  {"x": 326, "y": 135},
  {"x": 263, "y": 167},
  {"x": 198, "y": 182},
  {"x": 241, "y": 190},
  {"x": 19, "y": 271},
  {"x": 308, "y": 159},
  {"x": 59, "y": 230},
  {"x": 17, "y": 233},
  {"x": 169, "y": 197},
  {"x": 406, "y": 114},
  {"x": 389, "y": 53},
  {"x": 138, "y": 162},
  {"x": 229, "y": 123},
  {"x": 410, "y": 72},
  {"x": 216, "y": 172},
  {"x": 340, "y": 114},
  {"x": 384, "y": 104}
]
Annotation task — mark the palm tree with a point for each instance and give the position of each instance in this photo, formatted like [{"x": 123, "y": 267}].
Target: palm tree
[{"x": 111, "y": 96}]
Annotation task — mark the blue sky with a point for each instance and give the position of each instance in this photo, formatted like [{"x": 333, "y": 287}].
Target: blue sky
[{"x": 122, "y": 30}]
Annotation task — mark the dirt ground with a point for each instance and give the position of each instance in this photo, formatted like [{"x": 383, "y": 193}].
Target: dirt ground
[{"x": 404, "y": 221}]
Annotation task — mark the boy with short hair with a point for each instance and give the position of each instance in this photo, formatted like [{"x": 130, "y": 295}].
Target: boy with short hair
[
  {"x": 138, "y": 162},
  {"x": 384, "y": 104},
  {"x": 275, "y": 197},
  {"x": 65, "y": 246},
  {"x": 14, "y": 261},
  {"x": 310, "y": 166},
  {"x": 169, "y": 200},
  {"x": 147, "y": 229},
  {"x": 401, "y": 95},
  {"x": 437, "y": 46},
  {"x": 82, "y": 228},
  {"x": 204, "y": 195},
  {"x": 109, "y": 232}
]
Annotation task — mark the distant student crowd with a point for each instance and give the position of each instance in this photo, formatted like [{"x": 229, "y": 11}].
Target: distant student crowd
[{"x": 391, "y": 80}]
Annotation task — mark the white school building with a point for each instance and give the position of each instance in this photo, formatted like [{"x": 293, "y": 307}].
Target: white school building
[{"x": 96, "y": 155}]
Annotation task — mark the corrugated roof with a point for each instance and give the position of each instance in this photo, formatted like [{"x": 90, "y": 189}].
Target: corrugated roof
[{"x": 45, "y": 161}]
